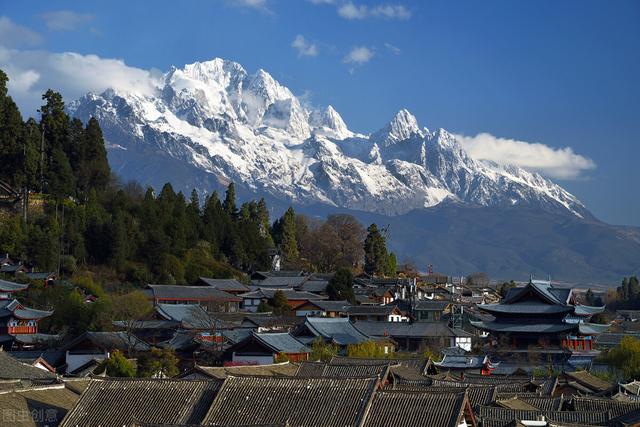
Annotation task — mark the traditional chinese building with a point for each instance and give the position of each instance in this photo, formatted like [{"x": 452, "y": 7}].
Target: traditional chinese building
[
  {"x": 541, "y": 314},
  {"x": 19, "y": 324}
]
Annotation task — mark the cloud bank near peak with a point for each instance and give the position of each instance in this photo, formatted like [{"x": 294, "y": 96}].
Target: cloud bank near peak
[{"x": 559, "y": 163}]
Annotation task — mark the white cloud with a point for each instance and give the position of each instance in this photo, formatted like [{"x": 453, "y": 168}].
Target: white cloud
[
  {"x": 391, "y": 11},
  {"x": 393, "y": 49},
  {"x": 353, "y": 11},
  {"x": 304, "y": 47},
  {"x": 358, "y": 55},
  {"x": 32, "y": 72},
  {"x": 561, "y": 163},
  {"x": 65, "y": 20},
  {"x": 14, "y": 35},
  {"x": 251, "y": 4}
]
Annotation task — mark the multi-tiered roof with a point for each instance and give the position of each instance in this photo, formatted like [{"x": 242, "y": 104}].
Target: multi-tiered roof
[
  {"x": 540, "y": 308},
  {"x": 19, "y": 324}
]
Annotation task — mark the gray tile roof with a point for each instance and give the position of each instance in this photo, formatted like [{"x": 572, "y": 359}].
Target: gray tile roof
[
  {"x": 300, "y": 402},
  {"x": 282, "y": 342},
  {"x": 410, "y": 409},
  {"x": 616, "y": 408},
  {"x": 435, "y": 305},
  {"x": 327, "y": 305},
  {"x": 339, "y": 330},
  {"x": 584, "y": 418},
  {"x": 31, "y": 313},
  {"x": 406, "y": 329},
  {"x": 281, "y": 282},
  {"x": 316, "y": 286},
  {"x": 227, "y": 285},
  {"x": 12, "y": 369},
  {"x": 370, "y": 310},
  {"x": 110, "y": 341},
  {"x": 320, "y": 369},
  {"x": 419, "y": 365},
  {"x": 177, "y": 292},
  {"x": 462, "y": 362},
  {"x": 191, "y": 316},
  {"x": 290, "y": 294},
  {"x": 515, "y": 327},
  {"x": 116, "y": 403}
]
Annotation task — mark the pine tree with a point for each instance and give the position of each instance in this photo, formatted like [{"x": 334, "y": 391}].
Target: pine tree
[
  {"x": 94, "y": 158},
  {"x": 10, "y": 135},
  {"x": 229, "y": 204},
  {"x": 375, "y": 252},
  {"x": 288, "y": 243},
  {"x": 60, "y": 179},
  {"x": 340, "y": 286}
]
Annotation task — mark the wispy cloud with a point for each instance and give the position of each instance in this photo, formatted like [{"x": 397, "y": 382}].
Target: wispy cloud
[
  {"x": 561, "y": 163},
  {"x": 391, "y": 11},
  {"x": 355, "y": 11},
  {"x": 304, "y": 47},
  {"x": 65, "y": 20},
  {"x": 250, "y": 4},
  {"x": 14, "y": 35},
  {"x": 393, "y": 49},
  {"x": 358, "y": 55}
]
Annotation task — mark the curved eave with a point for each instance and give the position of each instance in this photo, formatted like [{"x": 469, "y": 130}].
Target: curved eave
[
  {"x": 592, "y": 328},
  {"x": 587, "y": 310},
  {"x": 31, "y": 314},
  {"x": 6, "y": 286},
  {"x": 536, "y": 328},
  {"x": 516, "y": 309}
]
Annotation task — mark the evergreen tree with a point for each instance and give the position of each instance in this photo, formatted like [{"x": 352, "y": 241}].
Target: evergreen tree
[
  {"x": 229, "y": 204},
  {"x": 392, "y": 265},
  {"x": 263, "y": 220},
  {"x": 31, "y": 155},
  {"x": 280, "y": 303},
  {"x": 91, "y": 164},
  {"x": 11, "y": 146},
  {"x": 340, "y": 286},
  {"x": 375, "y": 252},
  {"x": 60, "y": 179},
  {"x": 286, "y": 230}
]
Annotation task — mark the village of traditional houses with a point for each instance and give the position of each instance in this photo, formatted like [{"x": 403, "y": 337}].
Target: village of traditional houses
[{"x": 278, "y": 349}]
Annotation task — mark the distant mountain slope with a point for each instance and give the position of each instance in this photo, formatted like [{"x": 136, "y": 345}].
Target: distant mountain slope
[{"x": 211, "y": 123}]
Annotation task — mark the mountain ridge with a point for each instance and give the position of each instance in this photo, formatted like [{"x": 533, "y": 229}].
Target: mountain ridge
[{"x": 249, "y": 128}]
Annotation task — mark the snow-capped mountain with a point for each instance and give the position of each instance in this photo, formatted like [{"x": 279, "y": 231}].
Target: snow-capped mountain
[{"x": 219, "y": 120}]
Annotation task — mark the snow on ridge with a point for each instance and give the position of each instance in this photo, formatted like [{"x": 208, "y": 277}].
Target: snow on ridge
[{"x": 250, "y": 128}]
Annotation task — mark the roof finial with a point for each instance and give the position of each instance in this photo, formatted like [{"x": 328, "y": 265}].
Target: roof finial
[{"x": 530, "y": 278}]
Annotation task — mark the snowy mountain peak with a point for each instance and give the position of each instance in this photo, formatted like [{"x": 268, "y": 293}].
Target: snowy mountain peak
[
  {"x": 330, "y": 123},
  {"x": 217, "y": 123},
  {"x": 403, "y": 126}
]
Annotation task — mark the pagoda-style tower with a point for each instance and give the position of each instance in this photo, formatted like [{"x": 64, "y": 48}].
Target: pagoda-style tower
[
  {"x": 19, "y": 324},
  {"x": 541, "y": 313}
]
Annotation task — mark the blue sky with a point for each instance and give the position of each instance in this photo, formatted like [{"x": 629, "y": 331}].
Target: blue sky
[{"x": 557, "y": 73}]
